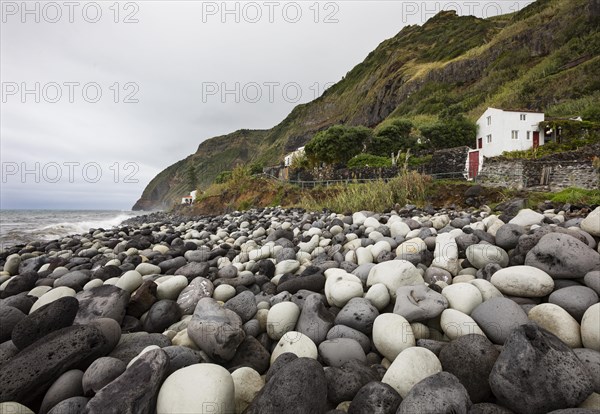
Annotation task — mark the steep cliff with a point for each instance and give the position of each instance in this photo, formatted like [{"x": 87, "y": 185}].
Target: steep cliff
[{"x": 545, "y": 57}]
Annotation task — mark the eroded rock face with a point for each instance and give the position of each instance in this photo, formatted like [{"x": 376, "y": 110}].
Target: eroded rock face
[{"x": 520, "y": 376}]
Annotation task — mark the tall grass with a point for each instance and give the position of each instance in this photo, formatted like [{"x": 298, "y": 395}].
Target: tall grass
[{"x": 375, "y": 196}]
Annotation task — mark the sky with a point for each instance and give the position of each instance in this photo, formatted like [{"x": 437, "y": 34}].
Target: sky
[{"x": 100, "y": 96}]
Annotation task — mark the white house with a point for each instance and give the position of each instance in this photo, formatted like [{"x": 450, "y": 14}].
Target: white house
[
  {"x": 287, "y": 161},
  {"x": 500, "y": 130},
  {"x": 189, "y": 199}
]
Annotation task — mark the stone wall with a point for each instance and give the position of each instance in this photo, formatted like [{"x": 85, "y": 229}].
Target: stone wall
[
  {"x": 580, "y": 174},
  {"x": 502, "y": 173},
  {"x": 447, "y": 163},
  {"x": 330, "y": 174},
  {"x": 556, "y": 175}
]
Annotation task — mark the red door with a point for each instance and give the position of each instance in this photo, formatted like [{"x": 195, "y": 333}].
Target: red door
[
  {"x": 473, "y": 164},
  {"x": 536, "y": 139}
]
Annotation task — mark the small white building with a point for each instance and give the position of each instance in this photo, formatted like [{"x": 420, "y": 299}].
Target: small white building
[
  {"x": 289, "y": 159},
  {"x": 189, "y": 199},
  {"x": 500, "y": 130}
]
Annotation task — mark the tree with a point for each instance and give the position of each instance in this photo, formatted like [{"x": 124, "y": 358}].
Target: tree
[
  {"x": 450, "y": 132},
  {"x": 392, "y": 136},
  {"x": 192, "y": 178},
  {"x": 337, "y": 144},
  {"x": 256, "y": 168}
]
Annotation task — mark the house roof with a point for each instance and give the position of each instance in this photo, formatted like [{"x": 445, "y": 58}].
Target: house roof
[{"x": 517, "y": 110}]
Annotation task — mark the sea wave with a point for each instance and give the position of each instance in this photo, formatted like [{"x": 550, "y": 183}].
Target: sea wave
[{"x": 22, "y": 227}]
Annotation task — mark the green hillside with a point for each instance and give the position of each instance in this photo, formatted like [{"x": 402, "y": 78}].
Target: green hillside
[{"x": 545, "y": 57}]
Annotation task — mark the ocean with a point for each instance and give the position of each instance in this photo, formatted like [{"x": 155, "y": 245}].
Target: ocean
[{"x": 23, "y": 226}]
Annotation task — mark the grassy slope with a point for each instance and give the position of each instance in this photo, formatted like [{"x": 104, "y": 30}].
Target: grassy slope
[{"x": 545, "y": 57}]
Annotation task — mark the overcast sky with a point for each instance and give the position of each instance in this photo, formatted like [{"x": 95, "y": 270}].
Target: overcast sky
[{"x": 98, "y": 97}]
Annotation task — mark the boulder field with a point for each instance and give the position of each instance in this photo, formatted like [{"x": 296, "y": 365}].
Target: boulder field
[{"x": 287, "y": 311}]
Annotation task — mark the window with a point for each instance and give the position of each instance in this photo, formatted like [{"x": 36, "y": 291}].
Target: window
[
  {"x": 489, "y": 120},
  {"x": 489, "y": 138},
  {"x": 515, "y": 135},
  {"x": 479, "y": 142},
  {"x": 523, "y": 117},
  {"x": 528, "y": 135}
]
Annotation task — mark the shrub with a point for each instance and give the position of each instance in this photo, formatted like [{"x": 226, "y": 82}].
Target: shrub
[
  {"x": 368, "y": 160},
  {"x": 392, "y": 136},
  {"x": 338, "y": 144},
  {"x": 375, "y": 196},
  {"x": 450, "y": 132},
  {"x": 223, "y": 177}
]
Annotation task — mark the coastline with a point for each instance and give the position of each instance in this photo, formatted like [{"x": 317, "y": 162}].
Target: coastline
[{"x": 274, "y": 291}]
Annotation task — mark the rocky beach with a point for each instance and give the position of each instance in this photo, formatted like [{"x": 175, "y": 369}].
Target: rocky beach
[{"x": 288, "y": 311}]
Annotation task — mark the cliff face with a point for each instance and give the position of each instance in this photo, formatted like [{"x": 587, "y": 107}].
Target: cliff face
[{"x": 545, "y": 57}]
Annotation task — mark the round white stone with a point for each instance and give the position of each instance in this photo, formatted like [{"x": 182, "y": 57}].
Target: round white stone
[
  {"x": 171, "y": 287},
  {"x": 421, "y": 331},
  {"x": 393, "y": 274},
  {"x": 197, "y": 388},
  {"x": 38, "y": 291},
  {"x": 379, "y": 296},
  {"x": 590, "y": 327},
  {"x": 92, "y": 284},
  {"x": 462, "y": 278},
  {"x": 296, "y": 343},
  {"x": 445, "y": 255},
  {"x": 282, "y": 318},
  {"x": 411, "y": 246},
  {"x": 363, "y": 256},
  {"x": 411, "y": 366},
  {"x": 130, "y": 281},
  {"x": 524, "y": 281},
  {"x": 147, "y": 269},
  {"x": 463, "y": 297},
  {"x": 399, "y": 228},
  {"x": 555, "y": 319},
  {"x": 341, "y": 286},
  {"x": 456, "y": 324},
  {"x": 527, "y": 217},
  {"x": 12, "y": 407},
  {"x": 51, "y": 296},
  {"x": 591, "y": 223},
  {"x": 392, "y": 334},
  {"x": 481, "y": 254},
  {"x": 372, "y": 222},
  {"x": 224, "y": 292},
  {"x": 161, "y": 248},
  {"x": 486, "y": 289},
  {"x": 287, "y": 266},
  {"x": 247, "y": 383},
  {"x": 182, "y": 338}
]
